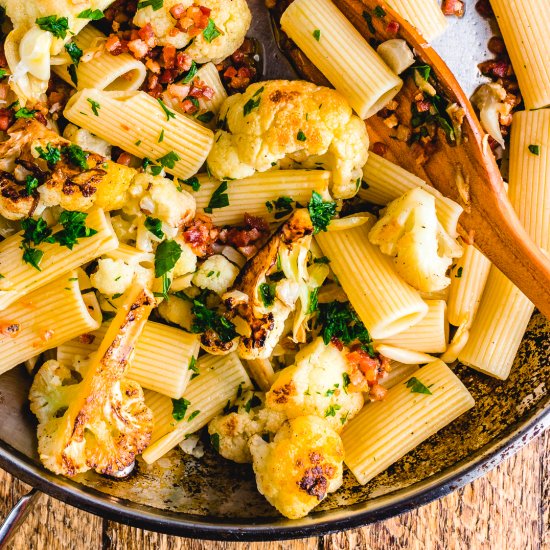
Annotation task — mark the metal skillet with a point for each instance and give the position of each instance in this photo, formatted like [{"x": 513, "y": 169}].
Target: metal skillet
[{"x": 213, "y": 499}]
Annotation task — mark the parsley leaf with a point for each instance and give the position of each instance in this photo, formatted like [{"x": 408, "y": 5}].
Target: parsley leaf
[
  {"x": 32, "y": 256},
  {"x": 35, "y": 231},
  {"x": 254, "y": 401},
  {"x": 75, "y": 53},
  {"x": 283, "y": 207},
  {"x": 169, "y": 160},
  {"x": 190, "y": 74},
  {"x": 219, "y": 198},
  {"x": 368, "y": 18},
  {"x": 179, "y": 408},
  {"x": 215, "y": 441},
  {"x": 267, "y": 294},
  {"x": 52, "y": 155},
  {"x": 321, "y": 260},
  {"x": 155, "y": 4},
  {"x": 74, "y": 228},
  {"x": 208, "y": 319},
  {"x": 167, "y": 255},
  {"x": 169, "y": 114},
  {"x": 206, "y": 117},
  {"x": 312, "y": 307},
  {"x": 155, "y": 227},
  {"x": 77, "y": 156},
  {"x": 417, "y": 386},
  {"x": 58, "y": 26},
  {"x": 535, "y": 149},
  {"x": 379, "y": 12},
  {"x": 252, "y": 103},
  {"x": 331, "y": 410},
  {"x": 194, "y": 414},
  {"x": 301, "y": 136},
  {"x": 459, "y": 272},
  {"x": 71, "y": 69},
  {"x": 211, "y": 32},
  {"x": 317, "y": 34},
  {"x": 31, "y": 183},
  {"x": 193, "y": 182},
  {"x": 94, "y": 15},
  {"x": 95, "y": 106},
  {"x": 25, "y": 113},
  {"x": 321, "y": 212}
]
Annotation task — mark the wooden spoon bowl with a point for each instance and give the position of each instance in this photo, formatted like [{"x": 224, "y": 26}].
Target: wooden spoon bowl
[{"x": 465, "y": 171}]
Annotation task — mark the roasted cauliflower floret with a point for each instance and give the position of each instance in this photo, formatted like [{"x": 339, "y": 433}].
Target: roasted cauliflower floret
[
  {"x": 85, "y": 139},
  {"x": 300, "y": 467},
  {"x": 246, "y": 418},
  {"x": 316, "y": 385},
  {"x": 289, "y": 124},
  {"x": 100, "y": 422},
  {"x": 213, "y": 28},
  {"x": 410, "y": 232},
  {"x": 112, "y": 276},
  {"x": 216, "y": 273}
]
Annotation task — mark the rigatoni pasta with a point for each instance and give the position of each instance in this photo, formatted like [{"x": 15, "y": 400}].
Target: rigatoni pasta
[
  {"x": 211, "y": 77},
  {"x": 135, "y": 122},
  {"x": 425, "y": 15},
  {"x": 385, "y": 431},
  {"x": 524, "y": 26},
  {"x": 98, "y": 68},
  {"x": 383, "y": 301},
  {"x": 20, "y": 278},
  {"x": 45, "y": 319},
  {"x": 219, "y": 381},
  {"x": 337, "y": 49}
]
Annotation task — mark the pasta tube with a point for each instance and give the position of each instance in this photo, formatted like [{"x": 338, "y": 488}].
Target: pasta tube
[
  {"x": 468, "y": 277},
  {"x": 383, "y": 301},
  {"x": 425, "y": 15},
  {"x": 135, "y": 122},
  {"x": 45, "y": 319},
  {"x": 270, "y": 195},
  {"x": 384, "y": 431},
  {"x": 430, "y": 335},
  {"x": 20, "y": 278},
  {"x": 384, "y": 181},
  {"x": 339, "y": 51},
  {"x": 220, "y": 379},
  {"x": 211, "y": 77},
  {"x": 164, "y": 359},
  {"x": 99, "y": 69},
  {"x": 524, "y": 25}
]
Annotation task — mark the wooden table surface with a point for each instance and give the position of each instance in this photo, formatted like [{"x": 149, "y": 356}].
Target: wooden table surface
[{"x": 506, "y": 510}]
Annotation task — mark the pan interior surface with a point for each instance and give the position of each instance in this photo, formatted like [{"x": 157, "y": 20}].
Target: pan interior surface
[{"x": 214, "y": 498}]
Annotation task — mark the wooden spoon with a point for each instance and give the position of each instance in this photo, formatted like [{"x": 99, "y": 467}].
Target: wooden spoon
[{"x": 466, "y": 173}]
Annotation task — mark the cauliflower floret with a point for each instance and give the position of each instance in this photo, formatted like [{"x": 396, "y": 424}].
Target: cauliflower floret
[
  {"x": 235, "y": 428},
  {"x": 300, "y": 467},
  {"x": 422, "y": 249},
  {"x": 315, "y": 385},
  {"x": 85, "y": 139},
  {"x": 489, "y": 99},
  {"x": 187, "y": 262},
  {"x": 159, "y": 198},
  {"x": 112, "y": 276},
  {"x": 227, "y": 25},
  {"x": 100, "y": 422},
  {"x": 216, "y": 273},
  {"x": 177, "y": 311},
  {"x": 290, "y": 124}
]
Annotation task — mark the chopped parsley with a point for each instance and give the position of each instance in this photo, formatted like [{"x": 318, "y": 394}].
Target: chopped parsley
[
  {"x": 169, "y": 160},
  {"x": 154, "y": 225},
  {"x": 148, "y": 163},
  {"x": 267, "y": 294},
  {"x": 253, "y": 102},
  {"x": 161, "y": 136},
  {"x": 321, "y": 212},
  {"x": 31, "y": 183},
  {"x": 208, "y": 319},
  {"x": 193, "y": 367},
  {"x": 52, "y": 155},
  {"x": 167, "y": 255},
  {"x": 331, "y": 410},
  {"x": 58, "y": 26},
  {"x": 3, "y": 73},
  {"x": 169, "y": 114},
  {"x": 423, "y": 70},
  {"x": 317, "y": 34},
  {"x": 25, "y": 113},
  {"x": 219, "y": 198},
  {"x": 417, "y": 386},
  {"x": 282, "y": 206},
  {"x": 75, "y": 53},
  {"x": 190, "y": 74},
  {"x": 215, "y": 441},
  {"x": 211, "y": 32},
  {"x": 321, "y": 260},
  {"x": 368, "y": 18},
  {"x": 205, "y": 117},
  {"x": 346, "y": 381},
  {"x": 179, "y": 408},
  {"x": 155, "y": 4},
  {"x": 94, "y": 15},
  {"x": 74, "y": 228},
  {"x": 301, "y": 136},
  {"x": 459, "y": 272},
  {"x": 194, "y": 414},
  {"x": 312, "y": 307},
  {"x": 338, "y": 320},
  {"x": 535, "y": 149},
  {"x": 254, "y": 401},
  {"x": 32, "y": 256},
  {"x": 76, "y": 156},
  {"x": 379, "y": 12},
  {"x": 95, "y": 106},
  {"x": 193, "y": 182},
  {"x": 71, "y": 69}
]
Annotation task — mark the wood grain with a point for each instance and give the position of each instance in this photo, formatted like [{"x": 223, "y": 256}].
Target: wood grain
[{"x": 507, "y": 509}]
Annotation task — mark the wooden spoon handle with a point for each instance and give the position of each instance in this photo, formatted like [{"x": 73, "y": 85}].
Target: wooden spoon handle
[{"x": 466, "y": 173}]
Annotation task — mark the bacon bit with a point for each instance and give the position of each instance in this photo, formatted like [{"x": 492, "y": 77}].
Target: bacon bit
[
  {"x": 495, "y": 68},
  {"x": 147, "y": 34},
  {"x": 496, "y": 45},
  {"x": 378, "y": 392},
  {"x": 183, "y": 61},
  {"x": 256, "y": 222},
  {"x": 169, "y": 56},
  {"x": 139, "y": 48},
  {"x": 114, "y": 45},
  {"x": 6, "y": 118},
  {"x": 393, "y": 27},
  {"x": 453, "y": 7},
  {"x": 231, "y": 72},
  {"x": 366, "y": 371},
  {"x": 200, "y": 90},
  {"x": 178, "y": 91},
  {"x": 483, "y": 7},
  {"x": 124, "y": 159},
  {"x": 153, "y": 66},
  {"x": 86, "y": 339},
  {"x": 391, "y": 122},
  {"x": 254, "y": 230},
  {"x": 4, "y": 91},
  {"x": 379, "y": 148},
  {"x": 423, "y": 106},
  {"x": 187, "y": 106},
  {"x": 194, "y": 20},
  {"x": 177, "y": 11},
  {"x": 201, "y": 234},
  {"x": 337, "y": 343},
  {"x": 7, "y": 328}
]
